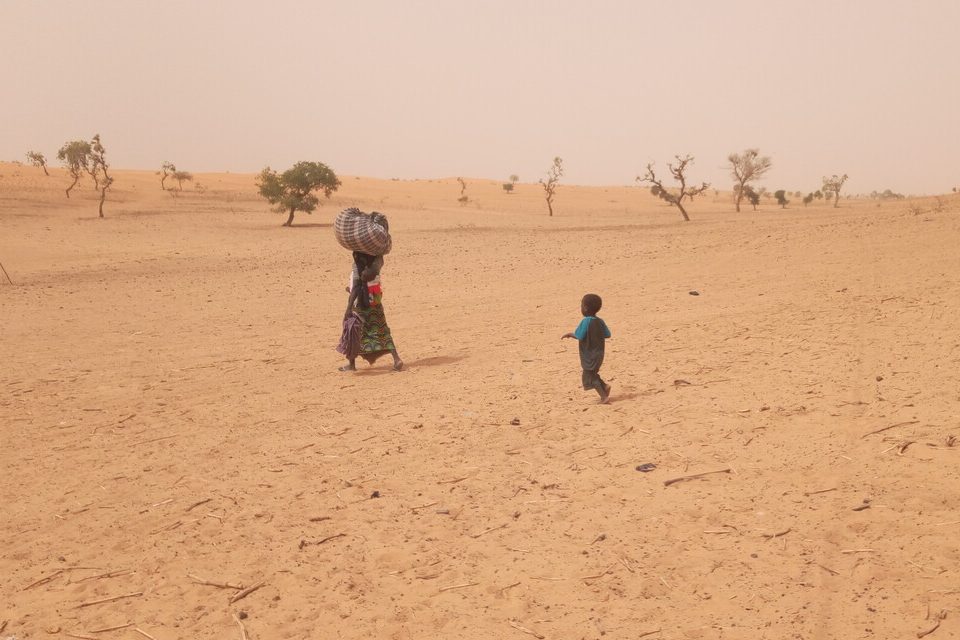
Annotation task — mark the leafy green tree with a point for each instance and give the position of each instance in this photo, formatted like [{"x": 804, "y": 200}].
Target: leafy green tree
[
  {"x": 293, "y": 190},
  {"x": 745, "y": 168},
  {"x": 75, "y": 156},
  {"x": 37, "y": 159},
  {"x": 181, "y": 177},
  {"x": 781, "y": 197},
  {"x": 98, "y": 169},
  {"x": 679, "y": 175},
  {"x": 833, "y": 185},
  {"x": 554, "y": 173},
  {"x": 166, "y": 170}
]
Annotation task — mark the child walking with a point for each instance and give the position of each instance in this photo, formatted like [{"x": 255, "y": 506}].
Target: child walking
[{"x": 592, "y": 332}]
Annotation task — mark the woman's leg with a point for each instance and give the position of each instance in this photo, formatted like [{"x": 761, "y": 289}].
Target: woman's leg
[{"x": 397, "y": 362}]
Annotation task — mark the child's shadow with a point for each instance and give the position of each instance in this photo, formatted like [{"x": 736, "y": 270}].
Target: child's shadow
[{"x": 622, "y": 397}]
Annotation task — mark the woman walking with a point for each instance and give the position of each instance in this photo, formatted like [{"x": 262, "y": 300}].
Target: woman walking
[{"x": 366, "y": 333}]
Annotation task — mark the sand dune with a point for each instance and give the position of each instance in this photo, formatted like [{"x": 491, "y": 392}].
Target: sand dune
[{"x": 171, "y": 414}]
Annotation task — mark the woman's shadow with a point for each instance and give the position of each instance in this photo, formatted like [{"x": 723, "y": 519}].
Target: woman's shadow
[{"x": 434, "y": 361}]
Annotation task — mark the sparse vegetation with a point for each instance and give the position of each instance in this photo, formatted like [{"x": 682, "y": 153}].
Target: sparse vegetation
[
  {"x": 293, "y": 190},
  {"x": 75, "y": 156},
  {"x": 781, "y": 196},
  {"x": 807, "y": 199},
  {"x": 181, "y": 177},
  {"x": 752, "y": 197},
  {"x": 463, "y": 199},
  {"x": 508, "y": 186},
  {"x": 832, "y": 185},
  {"x": 166, "y": 170},
  {"x": 745, "y": 168},
  {"x": 554, "y": 173},
  {"x": 37, "y": 159},
  {"x": 679, "y": 174}
]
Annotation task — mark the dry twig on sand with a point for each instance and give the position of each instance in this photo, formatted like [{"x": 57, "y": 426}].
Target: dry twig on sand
[
  {"x": 243, "y": 631},
  {"x": 197, "y": 504},
  {"x": 940, "y": 618},
  {"x": 111, "y": 599},
  {"x": 109, "y": 574},
  {"x": 771, "y": 536},
  {"x": 893, "y": 426},
  {"x": 116, "y": 628},
  {"x": 219, "y": 585},
  {"x": 529, "y": 632},
  {"x": 692, "y": 476},
  {"x": 144, "y": 633},
  {"x": 459, "y": 586},
  {"x": 243, "y": 594},
  {"x": 43, "y": 580},
  {"x": 486, "y": 531},
  {"x": 304, "y": 543}
]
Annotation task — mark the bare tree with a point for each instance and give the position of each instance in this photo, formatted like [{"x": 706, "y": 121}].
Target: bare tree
[
  {"x": 554, "y": 173},
  {"x": 75, "y": 156},
  {"x": 463, "y": 199},
  {"x": 98, "y": 169},
  {"x": 166, "y": 170},
  {"x": 833, "y": 185},
  {"x": 679, "y": 174},
  {"x": 745, "y": 168},
  {"x": 37, "y": 159}
]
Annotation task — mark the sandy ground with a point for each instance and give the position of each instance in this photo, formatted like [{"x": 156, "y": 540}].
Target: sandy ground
[{"x": 171, "y": 413}]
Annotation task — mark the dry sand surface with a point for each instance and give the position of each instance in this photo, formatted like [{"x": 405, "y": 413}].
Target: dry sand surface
[{"x": 171, "y": 413}]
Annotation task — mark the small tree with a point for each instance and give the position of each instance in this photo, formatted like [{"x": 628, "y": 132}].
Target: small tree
[
  {"x": 37, "y": 159},
  {"x": 181, "y": 177},
  {"x": 98, "y": 169},
  {"x": 833, "y": 185},
  {"x": 781, "y": 197},
  {"x": 679, "y": 174},
  {"x": 818, "y": 194},
  {"x": 554, "y": 173},
  {"x": 292, "y": 190},
  {"x": 508, "y": 186},
  {"x": 75, "y": 156},
  {"x": 166, "y": 170},
  {"x": 752, "y": 197},
  {"x": 807, "y": 199},
  {"x": 745, "y": 168},
  {"x": 463, "y": 199}
]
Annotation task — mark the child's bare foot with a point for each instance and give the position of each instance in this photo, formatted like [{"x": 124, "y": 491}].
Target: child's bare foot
[
  {"x": 605, "y": 395},
  {"x": 348, "y": 367}
]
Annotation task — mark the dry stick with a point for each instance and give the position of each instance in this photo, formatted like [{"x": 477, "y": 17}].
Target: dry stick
[
  {"x": 771, "y": 536},
  {"x": 813, "y": 493},
  {"x": 940, "y": 617},
  {"x": 144, "y": 633},
  {"x": 893, "y": 426},
  {"x": 79, "y": 635},
  {"x": 486, "y": 531},
  {"x": 6, "y": 274},
  {"x": 836, "y": 573},
  {"x": 243, "y": 631},
  {"x": 423, "y": 506},
  {"x": 43, "y": 580},
  {"x": 109, "y": 574},
  {"x": 459, "y": 586},
  {"x": 219, "y": 585},
  {"x": 529, "y": 632},
  {"x": 197, "y": 504},
  {"x": 243, "y": 594},
  {"x": 648, "y": 633},
  {"x": 114, "y": 598},
  {"x": 119, "y": 626},
  {"x": 857, "y": 551},
  {"x": 509, "y": 586},
  {"x": 137, "y": 444},
  {"x": 3, "y": 625},
  {"x": 304, "y": 543},
  {"x": 454, "y": 481},
  {"x": 671, "y": 481}
]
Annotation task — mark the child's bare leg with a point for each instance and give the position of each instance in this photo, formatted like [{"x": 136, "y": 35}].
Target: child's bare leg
[
  {"x": 397, "y": 362},
  {"x": 604, "y": 392}
]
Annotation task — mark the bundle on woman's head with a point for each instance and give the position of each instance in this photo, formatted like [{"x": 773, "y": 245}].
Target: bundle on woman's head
[{"x": 380, "y": 219}]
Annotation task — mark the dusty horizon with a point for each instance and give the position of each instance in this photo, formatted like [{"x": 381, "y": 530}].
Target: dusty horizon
[{"x": 427, "y": 90}]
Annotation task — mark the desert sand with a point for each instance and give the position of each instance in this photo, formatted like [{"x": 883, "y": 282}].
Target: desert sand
[{"x": 171, "y": 414}]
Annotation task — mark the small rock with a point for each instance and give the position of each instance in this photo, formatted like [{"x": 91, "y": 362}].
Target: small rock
[
  {"x": 375, "y": 494},
  {"x": 242, "y": 615},
  {"x": 515, "y": 422},
  {"x": 694, "y": 293},
  {"x": 879, "y": 378}
]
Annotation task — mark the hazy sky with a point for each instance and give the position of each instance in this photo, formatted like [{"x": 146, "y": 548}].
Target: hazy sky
[{"x": 401, "y": 88}]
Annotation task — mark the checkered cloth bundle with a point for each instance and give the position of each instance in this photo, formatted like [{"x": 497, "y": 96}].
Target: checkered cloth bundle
[{"x": 366, "y": 233}]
